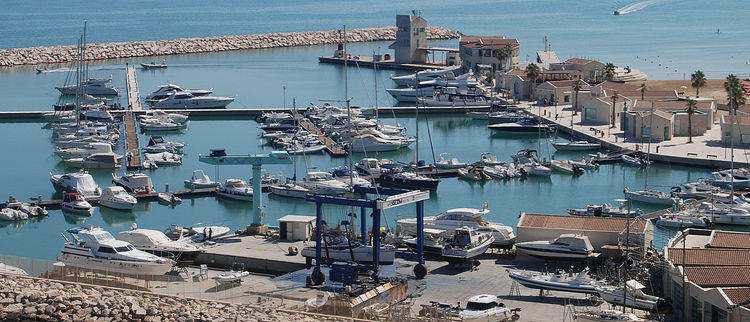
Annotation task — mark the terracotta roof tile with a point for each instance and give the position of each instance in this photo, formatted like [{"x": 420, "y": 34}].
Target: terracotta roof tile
[
  {"x": 710, "y": 257},
  {"x": 738, "y": 295},
  {"x": 487, "y": 42},
  {"x": 648, "y": 94},
  {"x": 668, "y": 104},
  {"x": 579, "y": 61},
  {"x": 620, "y": 87},
  {"x": 729, "y": 239},
  {"x": 569, "y": 83},
  {"x": 580, "y": 223},
  {"x": 712, "y": 276}
]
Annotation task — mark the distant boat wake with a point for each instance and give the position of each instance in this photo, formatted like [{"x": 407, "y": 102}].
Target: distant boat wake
[{"x": 635, "y": 7}]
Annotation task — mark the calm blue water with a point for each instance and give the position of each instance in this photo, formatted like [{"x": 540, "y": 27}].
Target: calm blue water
[
  {"x": 680, "y": 35},
  {"x": 256, "y": 78}
]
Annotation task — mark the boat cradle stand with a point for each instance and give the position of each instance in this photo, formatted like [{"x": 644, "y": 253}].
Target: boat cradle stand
[{"x": 396, "y": 198}]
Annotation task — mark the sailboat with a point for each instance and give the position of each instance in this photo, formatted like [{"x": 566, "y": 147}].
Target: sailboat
[{"x": 645, "y": 195}]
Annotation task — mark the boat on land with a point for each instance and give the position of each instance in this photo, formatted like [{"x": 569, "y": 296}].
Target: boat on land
[
  {"x": 230, "y": 277},
  {"x": 559, "y": 281},
  {"x": 564, "y": 247},
  {"x": 606, "y": 315},
  {"x": 456, "y": 218},
  {"x": 117, "y": 198},
  {"x": 486, "y": 307},
  {"x": 95, "y": 249},
  {"x": 338, "y": 248},
  {"x": 157, "y": 243},
  {"x": 634, "y": 296},
  {"x": 466, "y": 244}
]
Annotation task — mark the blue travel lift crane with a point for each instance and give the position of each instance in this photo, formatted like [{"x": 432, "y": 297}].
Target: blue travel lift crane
[
  {"x": 396, "y": 197},
  {"x": 220, "y": 157}
]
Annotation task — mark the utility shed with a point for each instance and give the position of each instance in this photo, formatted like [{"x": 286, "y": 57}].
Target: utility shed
[
  {"x": 601, "y": 231},
  {"x": 295, "y": 227}
]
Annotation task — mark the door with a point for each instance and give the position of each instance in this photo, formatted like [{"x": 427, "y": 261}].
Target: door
[
  {"x": 666, "y": 133},
  {"x": 677, "y": 127},
  {"x": 282, "y": 231}
]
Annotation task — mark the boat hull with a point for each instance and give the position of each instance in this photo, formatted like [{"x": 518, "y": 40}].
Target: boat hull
[
  {"x": 362, "y": 254},
  {"x": 116, "y": 205},
  {"x": 555, "y": 286},
  {"x": 390, "y": 180},
  {"x": 114, "y": 266},
  {"x": 553, "y": 254}
]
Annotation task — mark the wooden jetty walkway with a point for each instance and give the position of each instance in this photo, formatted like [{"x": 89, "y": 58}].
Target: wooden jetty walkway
[
  {"x": 132, "y": 146},
  {"x": 332, "y": 147}
]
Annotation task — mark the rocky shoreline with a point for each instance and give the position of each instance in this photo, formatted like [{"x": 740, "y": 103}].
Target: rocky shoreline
[
  {"x": 62, "y": 54},
  {"x": 23, "y": 298}
]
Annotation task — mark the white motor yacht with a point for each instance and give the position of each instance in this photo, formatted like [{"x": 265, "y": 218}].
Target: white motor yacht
[
  {"x": 93, "y": 86},
  {"x": 446, "y": 99},
  {"x": 368, "y": 166},
  {"x": 565, "y": 247},
  {"x": 425, "y": 75},
  {"x": 289, "y": 189},
  {"x": 201, "y": 180},
  {"x": 409, "y": 180},
  {"x": 10, "y": 214},
  {"x": 137, "y": 183},
  {"x": 467, "y": 243},
  {"x": 116, "y": 198},
  {"x": 446, "y": 162},
  {"x": 576, "y": 146},
  {"x": 80, "y": 182},
  {"x": 163, "y": 158},
  {"x": 165, "y": 90},
  {"x": 164, "y": 116},
  {"x": 236, "y": 189},
  {"x": 157, "y": 144},
  {"x": 96, "y": 249},
  {"x": 726, "y": 214},
  {"x": 523, "y": 126},
  {"x": 349, "y": 177},
  {"x": 453, "y": 219},
  {"x": 650, "y": 196},
  {"x": 323, "y": 183},
  {"x": 365, "y": 143},
  {"x": 485, "y": 307},
  {"x": 96, "y": 160},
  {"x": 157, "y": 243},
  {"x": 82, "y": 152},
  {"x": 186, "y": 100},
  {"x": 98, "y": 113},
  {"x": 634, "y": 296},
  {"x": 76, "y": 203},
  {"x": 159, "y": 125}
]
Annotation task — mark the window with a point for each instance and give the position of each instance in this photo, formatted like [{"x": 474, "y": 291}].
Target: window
[
  {"x": 745, "y": 138},
  {"x": 421, "y": 29},
  {"x": 106, "y": 249},
  {"x": 122, "y": 249},
  {"x": 589, "y": 114},
  {"x": 566, "y": 99}
]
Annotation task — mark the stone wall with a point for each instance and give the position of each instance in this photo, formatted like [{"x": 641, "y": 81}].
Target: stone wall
[
  {"x": 61, "y": 54},
  {"x": 23, "y": 298}
]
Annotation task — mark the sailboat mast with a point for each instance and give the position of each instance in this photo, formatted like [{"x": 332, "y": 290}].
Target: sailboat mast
[
  {"x": 731, "y": 140},
  {"x": 375, "y": 73},
  {"x": 648, "y": 150},
  {"x": 348, "y": 109}
]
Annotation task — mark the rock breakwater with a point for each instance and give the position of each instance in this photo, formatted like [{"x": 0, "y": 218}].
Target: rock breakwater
[
  {"x": 62, "y": 54},
  {"x": 23, "y": 298}
]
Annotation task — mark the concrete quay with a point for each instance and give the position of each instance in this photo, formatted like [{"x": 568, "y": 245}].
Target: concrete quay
[
  {"x": 705, "y": 150},
  {"x": 363, "y": 61},
  {"x": 64, "y": 54},
  {"x": 253, "y": 253}
]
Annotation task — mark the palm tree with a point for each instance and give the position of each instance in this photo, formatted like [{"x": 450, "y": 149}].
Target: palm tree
[
  {"x": 503, "y": 55},
  {"x": 577, "y": 85},
  {"x": 533, "y": 73},
  {"x": 609, "y": 71},
  {"x": 697, "y": 80},
  {"x": 615, "y": 95},
  {"x": 643, "y": 90},
  {"x": 734, "y": 92},
  {"x": 691, "y": 108}
]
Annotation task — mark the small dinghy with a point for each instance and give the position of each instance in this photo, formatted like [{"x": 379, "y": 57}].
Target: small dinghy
[
  {"x": 446, "y": 162},
  {"x": 681, "y": 221},
  {"x": 564, "y": 166},
  {"x": 12, "y": 214},
  {"x": 489, "y": 159},
  {"x": 231, "y": 277},
  {"x": 634, "y": 161},
  {"x": 168, "y": 198},
  {"x": 585, "y": 163}
]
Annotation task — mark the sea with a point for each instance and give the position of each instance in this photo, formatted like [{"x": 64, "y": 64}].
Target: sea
[{"x": 665, "y": 39}]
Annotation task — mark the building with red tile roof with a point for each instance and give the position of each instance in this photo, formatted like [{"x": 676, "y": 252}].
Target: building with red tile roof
[{"x": 483, "y": 50}]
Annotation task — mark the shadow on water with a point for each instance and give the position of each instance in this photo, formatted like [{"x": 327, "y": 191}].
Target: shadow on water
[{"x": 116, "y": 217}]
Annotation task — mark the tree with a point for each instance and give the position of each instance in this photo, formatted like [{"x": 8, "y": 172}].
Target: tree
[
  {"x": 609, "y": 71},
  {"x": 735, "y": 95},
  {"x": 577, "y": 85},
  {"x": 488, "y": 78},
  {"x": 691, "y": 108},
  {"x": 503, "y": 55},
  {"x": 643, "y": 90},
  {"x": 697, "y": 80},
  {"x": 533, "y": 73},
  {"x": 615, "y": 96}
]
